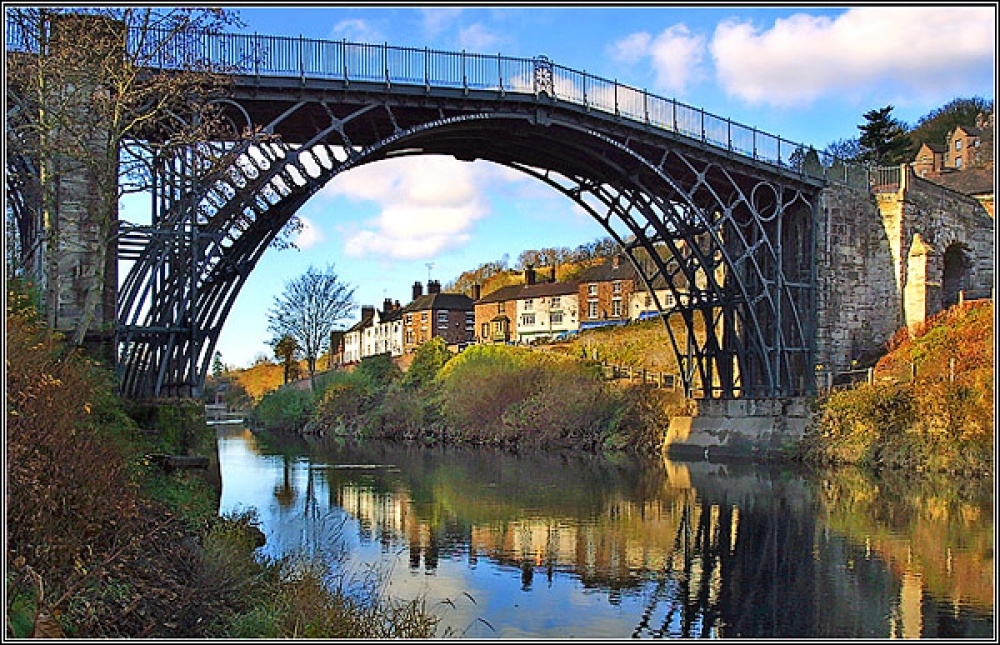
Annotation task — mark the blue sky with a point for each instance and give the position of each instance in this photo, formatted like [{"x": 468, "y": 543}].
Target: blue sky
[{"x": 807, "y": 74}]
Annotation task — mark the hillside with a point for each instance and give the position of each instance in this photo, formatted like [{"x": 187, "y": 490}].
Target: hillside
[{"x": 929, "y": 408}]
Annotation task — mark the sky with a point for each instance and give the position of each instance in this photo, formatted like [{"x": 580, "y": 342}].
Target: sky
[{"x": 805, "y": 73}]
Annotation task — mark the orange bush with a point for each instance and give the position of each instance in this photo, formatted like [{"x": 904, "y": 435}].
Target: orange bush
[{"x": 70, "y": 495}]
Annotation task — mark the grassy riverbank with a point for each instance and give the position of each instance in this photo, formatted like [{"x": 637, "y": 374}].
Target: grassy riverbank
[
  {"x": 929, "y": 406},
  {"x": 491, "y": 395},
  {"x": 102, "y": 543}
]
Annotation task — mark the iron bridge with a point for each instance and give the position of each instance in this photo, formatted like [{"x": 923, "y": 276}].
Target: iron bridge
[{"x": 721, "y": 214}]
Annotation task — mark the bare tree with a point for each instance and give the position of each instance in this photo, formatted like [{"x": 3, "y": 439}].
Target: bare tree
[
  {"x": 96, "y": 96},
  {"x": 309, "y": 309}
]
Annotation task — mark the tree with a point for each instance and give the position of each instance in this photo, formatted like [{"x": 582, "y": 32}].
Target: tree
[
  {"x": 286, "y": 351},
  {"x": 935, "y": 126},
  {"x": 309, "y": 309},
  {"x": 845, "y": 150},
  {"x": 884, "y": 140},
  {"x": 104, "y": 95},
  {"x": 428, "y": 359}
]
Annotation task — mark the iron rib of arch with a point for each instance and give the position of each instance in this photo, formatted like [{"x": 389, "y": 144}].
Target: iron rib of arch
[{"x": 175, "y": 300}]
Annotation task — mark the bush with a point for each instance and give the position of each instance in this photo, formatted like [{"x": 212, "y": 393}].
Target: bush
[
  {"x": 497, "y": 394},
  {"x": 72, "y": 498},
  {"x": 285, "y": 409}
]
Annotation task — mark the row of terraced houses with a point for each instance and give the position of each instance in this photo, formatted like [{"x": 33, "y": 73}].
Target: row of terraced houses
[{"x": 540, "y": 308}]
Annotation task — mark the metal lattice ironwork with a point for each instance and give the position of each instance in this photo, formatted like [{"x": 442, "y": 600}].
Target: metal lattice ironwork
[
  {"x": 720, "y": 240},
  {"x": 719, "y": 214}
]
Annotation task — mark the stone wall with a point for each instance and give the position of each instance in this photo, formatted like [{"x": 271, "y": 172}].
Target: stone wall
[
  {"x": 858, "y": 304},
  {"x": 881, "y": 263}
]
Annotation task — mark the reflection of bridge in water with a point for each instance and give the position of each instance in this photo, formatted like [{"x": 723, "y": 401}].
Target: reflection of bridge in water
[
  {"x": 712, "y": 550},
  {"x": 729, "y": 218}
]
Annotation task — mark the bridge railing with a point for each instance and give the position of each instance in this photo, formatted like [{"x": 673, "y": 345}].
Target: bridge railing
[{"x": 282, "y": 56}]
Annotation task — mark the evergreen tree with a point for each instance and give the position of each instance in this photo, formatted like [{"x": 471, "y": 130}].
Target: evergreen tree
[{"x": 884, "y": 140}]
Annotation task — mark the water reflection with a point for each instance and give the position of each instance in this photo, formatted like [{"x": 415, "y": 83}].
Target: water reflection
[{"x": 543, "y": 546}]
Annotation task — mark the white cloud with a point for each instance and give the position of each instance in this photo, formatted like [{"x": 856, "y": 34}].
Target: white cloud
[
  {"x": 476, "y": 38},
  {"x": 356, "y": 30},
  {"x": 309, "y": 235},
  {"x": 930, "y": 52},
  {"x": 438, "y": 19},
  {"x": 426, "y": 204},
  {"x": 676, "y": 55}
]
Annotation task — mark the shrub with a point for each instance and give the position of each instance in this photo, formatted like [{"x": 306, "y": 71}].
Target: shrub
[
  {"x": 71, "y": 493},
  {"x": 285, "y": 409}
]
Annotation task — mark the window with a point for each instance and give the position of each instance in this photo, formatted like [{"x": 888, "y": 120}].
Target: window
[
  {"x": 423, "y": 316},
  {"x": 555, "y": 303},
  {"x": 591, "y": 289},
  {"x": 616, "y": 308},
  {"x": 409, "y": 336},
  {"x": 528, "y": 304},
  {"x": 485, "y": 330},
  {"x": 958, "y": 162},
  {"x": 556, "y": 318},
  {"x": 616, "y": 286},
  {"x": 443, "y": 318},
  {"x": 668, "y": 301},
  {"x": 591, "y": 310},
  {"x": 527, "y": 319},
  {"x": 470, "y": 322},
  {"x": 409, "y": 319},
  {"x": 958, "y": 144}
]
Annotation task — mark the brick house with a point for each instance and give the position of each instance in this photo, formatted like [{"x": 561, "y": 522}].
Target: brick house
[
  {"x": 448, "y": 315},
  {"x": 964, "y": 163},
  {"x": 929, "y": 159},
  {"x": 526, "y": 312},
  {"x": 605, "y": 292}
]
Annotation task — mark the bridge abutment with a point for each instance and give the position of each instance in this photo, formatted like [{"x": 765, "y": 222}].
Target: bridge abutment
[
  {"x": 881, "y": 263},
  {"x": 738, "y": 428}
]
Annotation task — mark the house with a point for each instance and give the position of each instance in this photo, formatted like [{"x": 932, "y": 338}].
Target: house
[
  {"x": 448, "y": 315},
  {"x": 527, "y": 312},
  {"x": 929, "y": 159},
  {"x": 385, "y": 334},
  {"x": 964, "y": 163},
  {"x": 644, "y": 303},
  {"x": 353, "y": 344},
  {"x": 605, "y": 291}
]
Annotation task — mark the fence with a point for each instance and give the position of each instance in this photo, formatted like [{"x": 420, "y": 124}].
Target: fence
[
  {"x": 632, "y": 374},
  {"x": 384, "y": 64}
]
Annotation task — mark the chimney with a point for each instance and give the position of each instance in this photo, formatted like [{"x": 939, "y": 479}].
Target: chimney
[
  {"x": 387, "y": 305},
  {"x": 552, "y": 273},
  {"x": 433, "y": 287},
  {"x": 615, "y": 260},
  {"x": 367, "y": 312},
  {"x": 529, "y": 275},
  {"x": 418, "y": 289},
  {"x": 396, "y": 305},
  {"x": 477, "y": 291}
]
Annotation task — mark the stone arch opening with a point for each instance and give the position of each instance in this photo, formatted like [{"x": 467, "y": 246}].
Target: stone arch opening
[{"x": 955, "y": 274}]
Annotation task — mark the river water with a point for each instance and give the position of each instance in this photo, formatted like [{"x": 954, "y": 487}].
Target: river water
[{"x": 580, "y": 546}]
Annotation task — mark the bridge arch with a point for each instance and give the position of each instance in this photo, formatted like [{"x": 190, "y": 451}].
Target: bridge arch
[{"x": 713, "y": 233}]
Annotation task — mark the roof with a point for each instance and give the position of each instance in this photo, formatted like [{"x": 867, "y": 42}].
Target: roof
[
  {"x": 607, "y": 271},
  {"x": 367, "y": 318},
  {"x": 969, "y": 130},
  {"x": 973, "y": 181},
  {"x": 438, "y": 301},
  {"x": 524, "y": 291},
  {"x": 935, "y": 147}
]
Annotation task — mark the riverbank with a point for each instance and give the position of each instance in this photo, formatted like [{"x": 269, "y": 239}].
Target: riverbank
[
  {"x": 927, "y": 407},
  {"x": 103, "y": 542}
]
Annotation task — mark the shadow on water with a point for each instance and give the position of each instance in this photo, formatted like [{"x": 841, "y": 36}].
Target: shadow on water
[{"x": 623, "y": 546}]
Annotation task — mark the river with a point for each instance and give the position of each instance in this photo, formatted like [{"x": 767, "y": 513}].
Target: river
[{"x": 546, "y": 546}]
